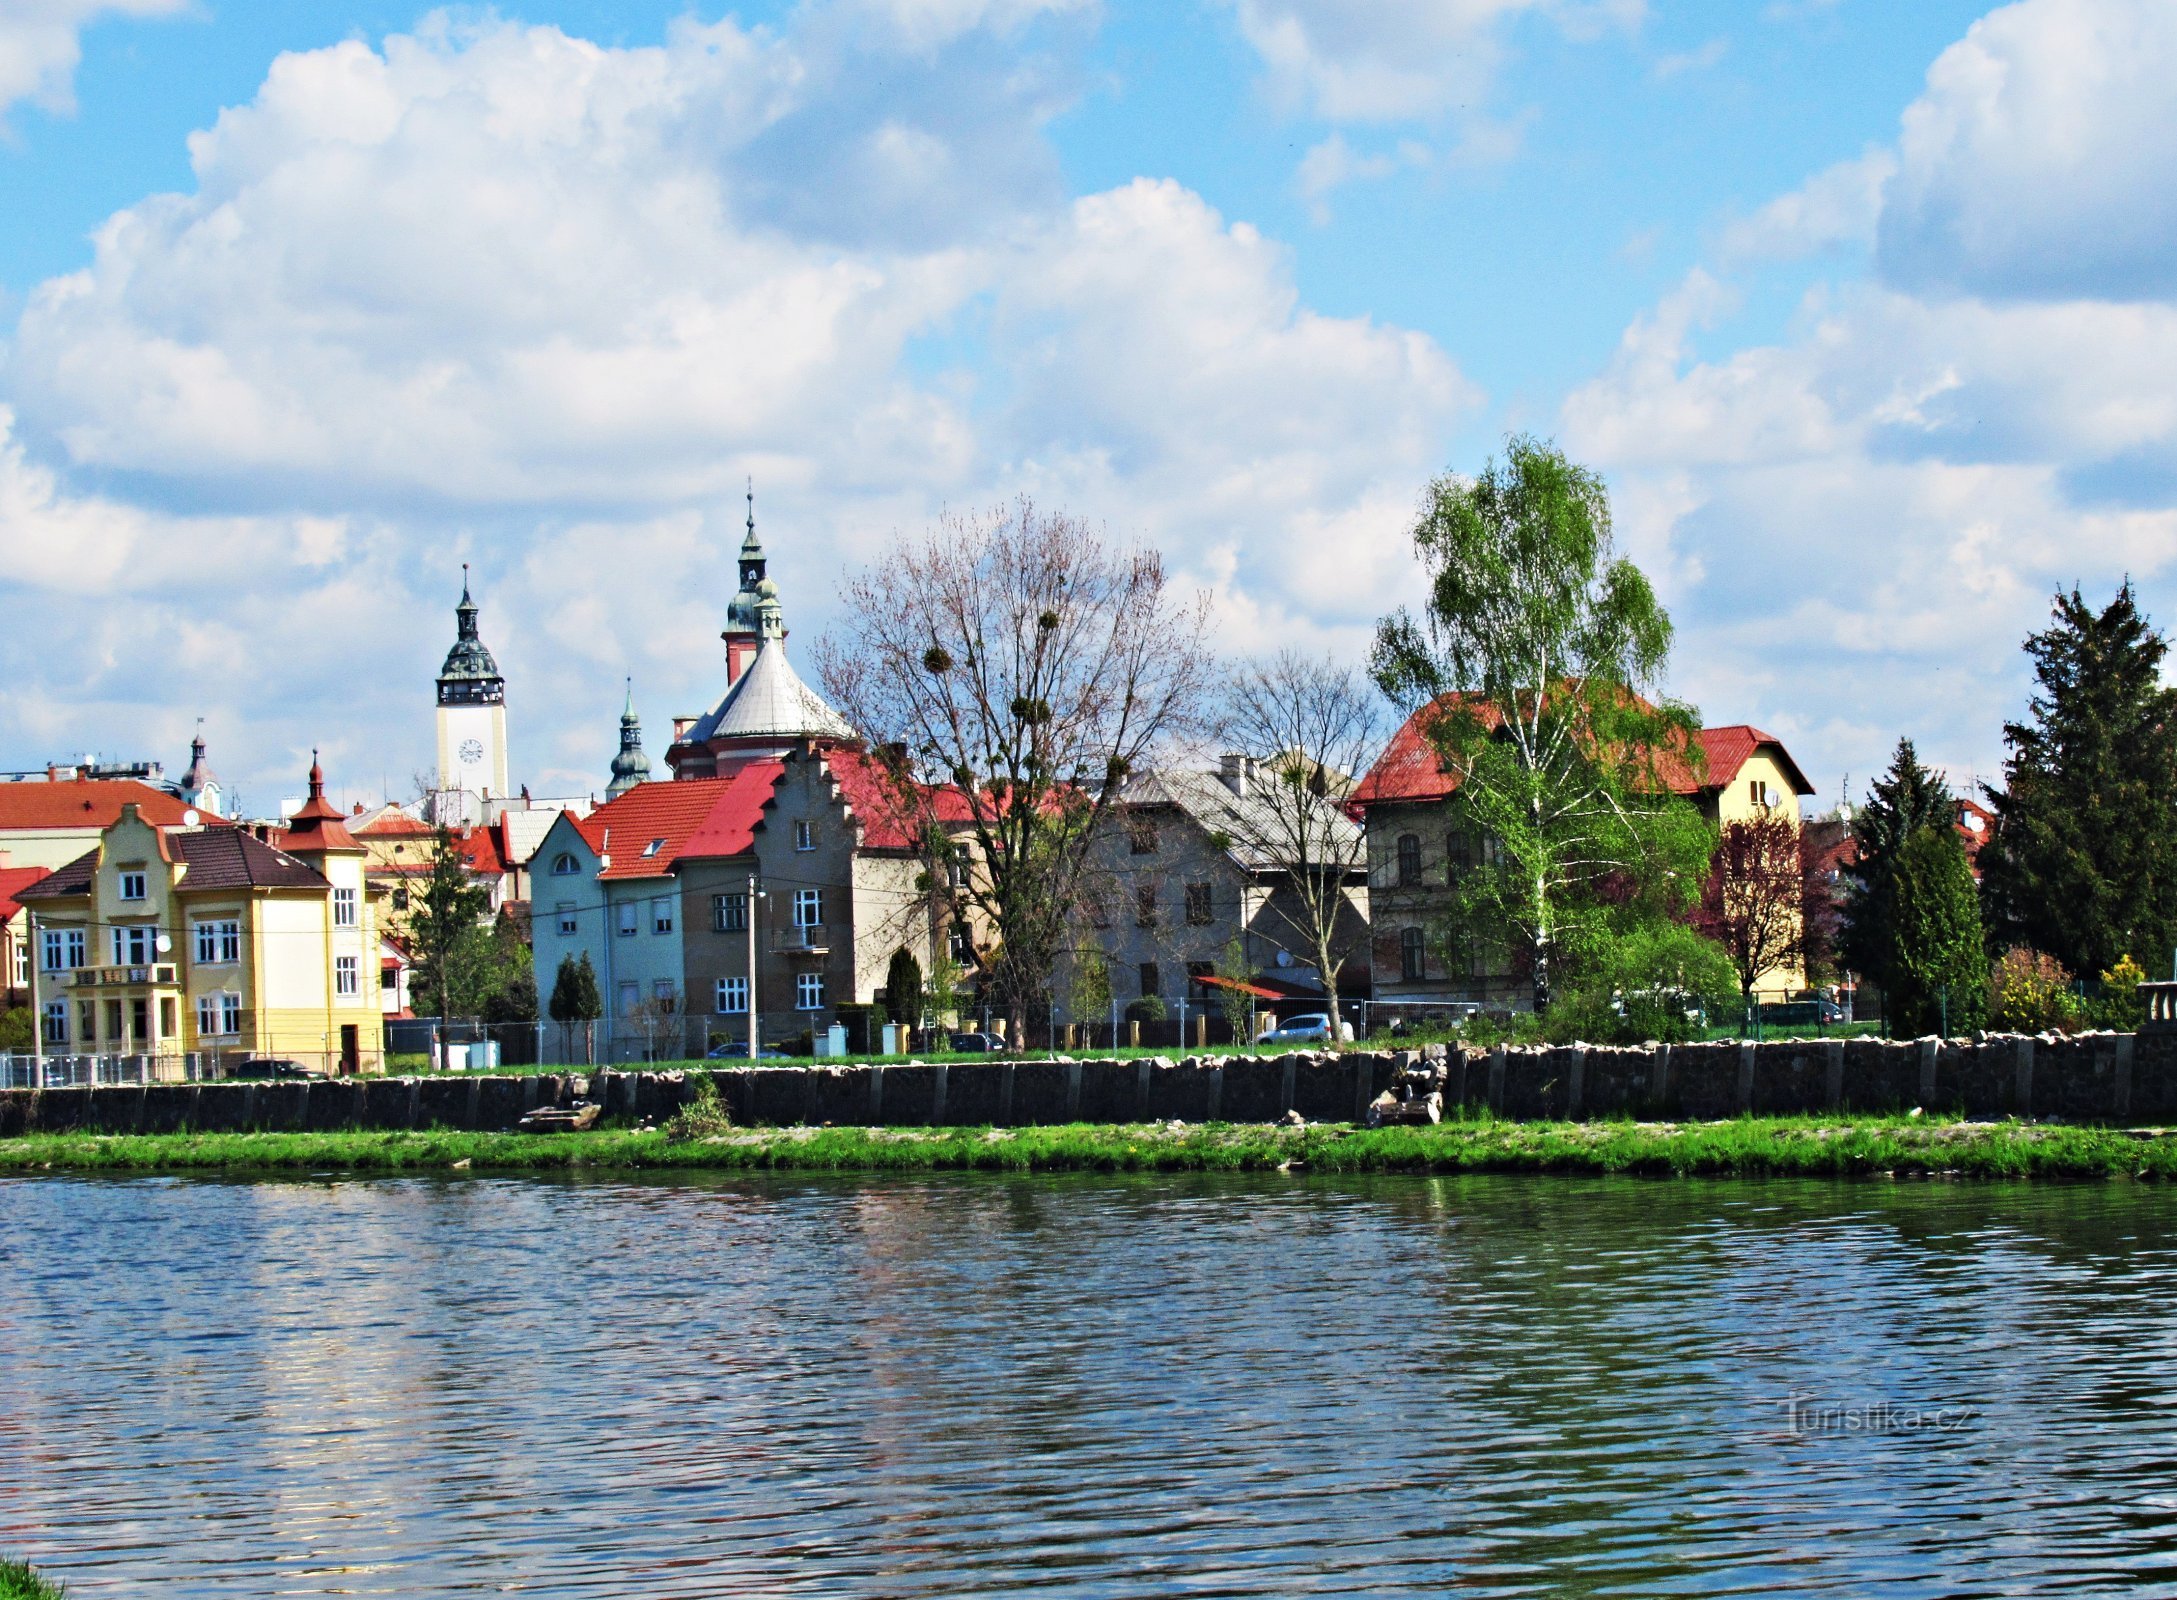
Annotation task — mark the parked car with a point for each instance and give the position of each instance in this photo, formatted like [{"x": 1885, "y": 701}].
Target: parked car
[
  {"x": 267, "y": 1068},
  {"x": 1309, "y": 1025},
  {"x": 968, "y": 1044}
]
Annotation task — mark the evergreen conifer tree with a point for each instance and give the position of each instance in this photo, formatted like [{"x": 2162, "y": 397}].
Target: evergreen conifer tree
[
  {"x": 2083, "y": 861},
  {"x": 575, "y": 996},
  {"x": 1938, "y": 964},
  {"x": 903, "y": 987},
  {"x": 1904, "y": 800}
]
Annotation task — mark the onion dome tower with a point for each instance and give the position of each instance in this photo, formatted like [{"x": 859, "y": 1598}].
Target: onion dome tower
[{"x": 630, "y": 766}]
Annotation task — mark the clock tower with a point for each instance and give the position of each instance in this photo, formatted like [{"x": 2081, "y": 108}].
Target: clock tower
[{"x": 471, "y": 724}]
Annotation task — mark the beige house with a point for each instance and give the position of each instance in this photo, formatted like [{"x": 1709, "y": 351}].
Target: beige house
[
  {"x": 49, "y": 822},
  {"x": 212, "y": 941}
]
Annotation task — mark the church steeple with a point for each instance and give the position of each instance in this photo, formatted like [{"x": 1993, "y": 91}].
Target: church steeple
[
  {"x": 199, "y": 786},
  {"x": 630, "y": 766},
  {"x": 472, "y": 765},
  {"x": 744, "y": 628},
  {"x": 470, "y": 676}
]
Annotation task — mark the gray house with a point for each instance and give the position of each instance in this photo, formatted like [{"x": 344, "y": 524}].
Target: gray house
[{"x": 1197, "y": 868}]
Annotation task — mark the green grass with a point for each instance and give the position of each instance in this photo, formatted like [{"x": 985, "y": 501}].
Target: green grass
[
  {"x": 1813, "y": 1146},
  {"x": 18, "y": 1582}
]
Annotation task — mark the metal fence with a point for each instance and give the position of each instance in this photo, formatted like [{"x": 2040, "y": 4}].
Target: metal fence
[{"x": 80, "y": 1071}]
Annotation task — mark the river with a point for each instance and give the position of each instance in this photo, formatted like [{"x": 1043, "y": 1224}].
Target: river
[{"x": 1086, "y": 1387}]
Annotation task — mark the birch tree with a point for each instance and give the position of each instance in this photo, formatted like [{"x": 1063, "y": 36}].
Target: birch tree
[
  {"x": 1012, "y": 669},
  {"x": 1532, "y": 663}
]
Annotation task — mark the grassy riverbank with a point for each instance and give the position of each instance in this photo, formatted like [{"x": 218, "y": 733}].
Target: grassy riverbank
[
  {"x": 18, "y": 1582},
  {"x": 1811, "y": 1146}
]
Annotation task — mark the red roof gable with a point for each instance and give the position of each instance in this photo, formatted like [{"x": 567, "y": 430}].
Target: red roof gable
[
  {"x": 887, "y": 823},
  {"x": 12, "y": 879},
  {"x": 667, "y": 815},
  {"x": 90, "y": 803},
  {"x": 730, "y": 829},
  {"x": 1408, "y": 768}
]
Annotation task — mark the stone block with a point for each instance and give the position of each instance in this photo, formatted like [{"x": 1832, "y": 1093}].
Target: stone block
[
  {"x": 1614, "y": 1081},
  {"x": 975, "y": 1093},
  {"x": 1111, "y": 1091},
  {"x": 226, "y": 1107},
  {"x": 1791, "y": 1078},
  {"x": 1040, "y": 1090},
  {"x": 1183, "y": 1091},
  {"x": 1254, "y": 1088},
  {"x": 1882, "y": 1075},
  {"x": 1704, "y": 1084},
  {"x": 385, "y": 1102}
]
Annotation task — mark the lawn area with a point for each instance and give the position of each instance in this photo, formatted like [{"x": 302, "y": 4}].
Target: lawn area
[
  {"x": 18, "y": 1582},
  {"x": 1810, "y": 1146}
]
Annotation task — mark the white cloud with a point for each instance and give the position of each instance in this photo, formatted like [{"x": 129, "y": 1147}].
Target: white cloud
[
  {"x": 495, "y": 293},
  {"x": 1401, "y": 60},
  {"x": 2037, "y": 163},
  {"x": 1699, "y": 59},
  {"x": 1859, "y": 523},
  {"x": 41, "y": 42}
]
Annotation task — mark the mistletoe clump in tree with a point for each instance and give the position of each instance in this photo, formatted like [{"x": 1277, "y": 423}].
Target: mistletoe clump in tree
[
  {"x": 1535, "y": 656},
  {"x": 2083, "y": 861},
  {"x": 1013, "y": 669}
]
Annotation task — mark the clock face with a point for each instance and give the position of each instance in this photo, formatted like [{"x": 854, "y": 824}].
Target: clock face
[{"x": 472, "y": 751}]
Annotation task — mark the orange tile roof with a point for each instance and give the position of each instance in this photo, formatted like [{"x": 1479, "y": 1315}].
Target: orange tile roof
[
  {"x": 667, "y": 814},
  {"x": 12, "y": 879},
  {"x": 89, "y": 803},
  {"x": 1408, "y": 769}
]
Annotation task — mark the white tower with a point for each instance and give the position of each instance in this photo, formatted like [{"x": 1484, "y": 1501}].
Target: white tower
[{"x": 471, "y": 724}]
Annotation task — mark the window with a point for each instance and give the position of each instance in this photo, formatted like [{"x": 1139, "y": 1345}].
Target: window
[
  {"x": 400, "y": 899},
  {"x": 56, "y": 1022},
  {"x": 1458, "y": 855},
  {"x": 87, "y": 1021},
  {"x": 1196, "y": 972},
  {"x": 1199, "y": 906},
  {"x": 729, "y": 913},
  {"x": 113, "y": 1022},
  {"x": 1141, "y": 836},
  {"x": 565, "y": 865},
  {"x": 343, "y": 908},
  {"x": 631, "y": 996},
  {"x": 956, "y": 870},
  {"x": 230, "y": 1013},
  {"x": 218, "y": 943},
  {"x": 169, "y": 1017},
  {"x": 389, "y": 978},
  {"x": 666, "y": 996},
  {"x": 347, "y": 975},
  {"x": 1150, "y": 982},
  {"x": 1412, "y": 960},
  {"x": 567, "y": 923},
  {"x": 804, "y": 836},
  {"x": 1753, "y": 793},
  {"x": 1409, "y": 859},
  {"x": 64, "y": 949},
  {"x": 732, "y": 997},
  {"x": 1145, "y": 906},
  {"x": 140, "y": 1014},
  {"x": 808, "y": 991},
  {"x": 207, "y": 1016},
  {"x": 628, "y": 913},
  {"x": 652, "y": 848},
  {"x": 808, "y": 908},
  {"x": 661, "y": 916},
  {"x": 1492, "y": 851},
  {"x": 960, "y": 944},
  {"x": 20, "y": 979},
  {"x": 133, "y": 945},
  {"x": 132, "y": 886}
]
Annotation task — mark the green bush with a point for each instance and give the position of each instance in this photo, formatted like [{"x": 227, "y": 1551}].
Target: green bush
[
  {"x": 2120, "y": 1005},
  {"x": 1647, "y": 983},
  {"x": 1149, "y": 1008},
  {"x": 18, "y": 1582},
  {"x": 2029, "y": 992}
]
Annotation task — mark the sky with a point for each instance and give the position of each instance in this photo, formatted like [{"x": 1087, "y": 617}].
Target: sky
[{"x": 1866, "y": 312}]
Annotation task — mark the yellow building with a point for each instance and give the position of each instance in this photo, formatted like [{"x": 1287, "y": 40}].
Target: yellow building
[{"x": 211, "y": 941}]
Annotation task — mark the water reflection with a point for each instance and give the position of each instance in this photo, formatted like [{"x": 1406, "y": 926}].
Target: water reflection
[{"x": 1093, "y": 1387}]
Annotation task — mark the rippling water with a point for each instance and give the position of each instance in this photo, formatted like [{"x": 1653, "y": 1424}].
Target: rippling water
[{"x": 1085, "y": 1387}]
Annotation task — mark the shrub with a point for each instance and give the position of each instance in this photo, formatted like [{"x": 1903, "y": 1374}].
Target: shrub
[
  {"x": 1149, "y": 1008},
  {"x": 2029, "y": 992},
  {"x": 2119, "y": 1005},
  {"x": 703, "y": 1116}
]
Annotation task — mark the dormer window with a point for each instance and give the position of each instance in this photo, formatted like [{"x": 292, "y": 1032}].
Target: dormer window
[
  {"x": 652, "y": 848},
  {"x": 564, "y": 865}
]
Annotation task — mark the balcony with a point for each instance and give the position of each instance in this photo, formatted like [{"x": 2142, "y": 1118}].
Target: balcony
[
  {"x": 158, "y": 975},
  {"x": 810, "y": 939}
]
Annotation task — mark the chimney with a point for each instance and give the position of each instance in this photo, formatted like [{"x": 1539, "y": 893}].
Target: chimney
[{"x": 1235, "y": 770}]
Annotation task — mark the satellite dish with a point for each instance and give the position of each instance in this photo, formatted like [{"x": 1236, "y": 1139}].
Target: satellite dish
[
  {"x": 189, "y": 819},
  {"x": 1771, "y": 799},
  {"x": 1284, "y": 958},
  {"x": 164, "y": 942}
]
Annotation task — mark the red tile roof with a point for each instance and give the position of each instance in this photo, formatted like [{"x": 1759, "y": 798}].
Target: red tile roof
[
  {"x": 730, "y": 829},
  {"x": 12, "y": 879},
  {"x": 1408, "y": 768},
  {"x": 670, "y": 814},
  {"x": 390, "y": 823},
  {"x": 887, "y": 821},
  {"x": 89, "y": 803}
]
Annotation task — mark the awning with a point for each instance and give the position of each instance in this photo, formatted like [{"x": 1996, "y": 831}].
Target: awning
[{"x": 1256, "y": 990}]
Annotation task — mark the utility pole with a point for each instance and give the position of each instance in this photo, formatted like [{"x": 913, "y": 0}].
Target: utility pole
[
  {"x": 37, "y": 1011},
  {"x": 752, "y": 1011}
]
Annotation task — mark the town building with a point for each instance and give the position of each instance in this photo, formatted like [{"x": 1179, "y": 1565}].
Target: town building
[
  {"x": 15, "y": 941},
  {"x": 1193, "y": 878},
  {"x": 161, "y": 942},
  {"x": 1420, "y": 846},
  {"x": 51, "y": 820}
]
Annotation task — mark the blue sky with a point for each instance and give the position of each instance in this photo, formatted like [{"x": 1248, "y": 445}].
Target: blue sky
[{"x": 1863, "y": 309}]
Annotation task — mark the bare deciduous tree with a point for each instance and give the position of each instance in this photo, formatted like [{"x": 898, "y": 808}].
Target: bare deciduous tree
[
  {"x": 1760, "y": 890},
  {"x": 1305, "y": 728},
  {"x": 1012, "y": 669}
]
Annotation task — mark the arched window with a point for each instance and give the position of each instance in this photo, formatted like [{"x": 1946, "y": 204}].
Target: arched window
[
  {"x": 1409, "y": 858},
  {"x": 1412, "y": 957},
  {"x": 564, "y": 865}
]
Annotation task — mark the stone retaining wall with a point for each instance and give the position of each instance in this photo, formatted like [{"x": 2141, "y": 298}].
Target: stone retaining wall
[{"x": 2101, "y": 1077}]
